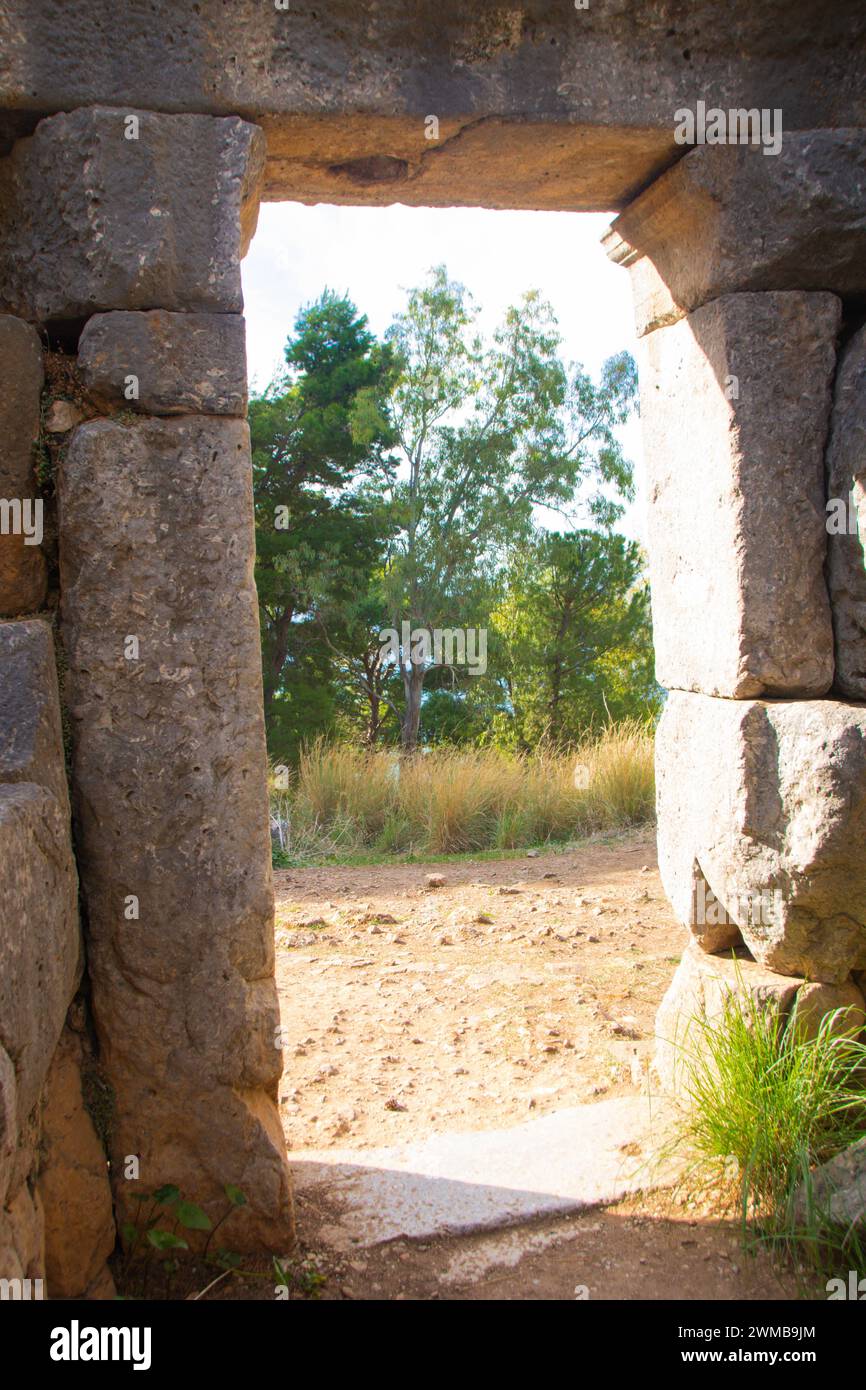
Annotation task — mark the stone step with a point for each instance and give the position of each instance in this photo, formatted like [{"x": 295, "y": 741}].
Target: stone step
[{"x": 454, "y": 1184}]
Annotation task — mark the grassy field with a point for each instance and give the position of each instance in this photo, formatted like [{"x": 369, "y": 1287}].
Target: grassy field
[{"x": 347, "y": 804}]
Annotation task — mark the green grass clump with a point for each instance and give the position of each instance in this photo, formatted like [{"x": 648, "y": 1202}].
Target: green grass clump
[{"x": 767, "y": 1102}]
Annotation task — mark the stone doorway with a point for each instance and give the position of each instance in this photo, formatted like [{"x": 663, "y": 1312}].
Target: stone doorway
[{"x": 131, "y": 172}]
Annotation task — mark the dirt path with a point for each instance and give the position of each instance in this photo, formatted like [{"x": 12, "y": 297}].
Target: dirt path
[
  {"x": 521, "y": 986},
  {"x": 518, "y": 987}
]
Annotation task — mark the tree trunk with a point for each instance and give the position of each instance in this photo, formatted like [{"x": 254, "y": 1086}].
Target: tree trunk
[
  {"x": 374, "y": 720},
  {"x": 276, "y": 657},
  {"x": 413, "y": 688}
]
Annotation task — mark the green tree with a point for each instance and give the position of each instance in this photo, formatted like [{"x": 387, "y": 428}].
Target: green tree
[
  {"x": 320, "y": 438},
  {"x": 350, "y": 627},
  {"x": 487, "y": 433},
  {"x": 576, "y": 635}
]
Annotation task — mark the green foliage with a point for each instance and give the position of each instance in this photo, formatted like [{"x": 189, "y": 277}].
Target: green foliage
[
  {"x": 156, "y": 1233},
  {"x": 576, "y": 639},
  {"x": 318, "y": 438},
  {"x": 488, "y": 432},
  {"x": 402, "y": 481},
  {"x": 769, "y": 1101}
]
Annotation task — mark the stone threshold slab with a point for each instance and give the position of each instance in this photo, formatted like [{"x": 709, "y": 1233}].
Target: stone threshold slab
[{"x": 458, "y": 1183}]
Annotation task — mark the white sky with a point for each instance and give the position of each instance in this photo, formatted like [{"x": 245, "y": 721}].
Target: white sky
[{"x": 376, "y": 254}]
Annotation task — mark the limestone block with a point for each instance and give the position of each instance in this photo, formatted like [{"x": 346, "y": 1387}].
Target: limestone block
[
  {"x": 31, "y": 740},
  {"x": 39, "y": 943},
  {"x": 93, "y": 219},
  {"x": 846, "y": 520},
  {"x": 184, "y": 364},
  {"x": 815, "y": 1001},
  {"x": 699, "y": 994},
  {"x": 735, "y": 405},
  {"x": 730, "y": 218},
  {"x": 21, "y": 1232},
  {"x": 836, "y": 1193},
  {"x": 22, "y": 565},
  {"x": 73, "y": 1181},
  {"x": 769, "y": 799},
  {"x": 160, "y": 625}
]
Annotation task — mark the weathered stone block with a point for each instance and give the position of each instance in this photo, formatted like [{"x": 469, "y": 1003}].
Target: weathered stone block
[
  {"x": 31, "y": 740},
  {"x": 184, "y": 364},
  {"x": 699, "y": 994},
  {"x": 93, "y": 219},
  {"x": 846, "y": 520},
  {"x": 835, "y": 1196},
  {"x": 768, "y": 798},
  {"x": 730, "y": 218},
  {"x": 39, "y": 944},
  {"x": 22, "y": 1242},
  {"x": 22, "y": 565},
  {"x": 73, "y": 1182},
  {"x": 815, "y": 1001},
  {"x": 735, "y": 405},
  {"x": 160, "y": 625}
]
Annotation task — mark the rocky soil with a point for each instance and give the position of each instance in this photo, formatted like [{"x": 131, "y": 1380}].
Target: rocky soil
[{"x": 518, "y": 987}]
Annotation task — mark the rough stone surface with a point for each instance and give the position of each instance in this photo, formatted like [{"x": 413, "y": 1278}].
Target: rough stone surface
[
  {"x": 706, "y": 917},
  {"x": 171, "y": 807},
  {"x": 815, "y": 1001},
  {"x": 73, "y": 1183},
  {"x": 40, "y": 949},
  {"x": 31, "y": 741},
  {"x": 39, "y": 945},
  {"x": 62, "y": 416},
  {"x": 90, "y": 220},
  {"x": 185, "y": 364},
  {"x": 736, "y": 522},
  {"x": 846, "y": 482},
  {"x": 836, "y": 1193},
  {"x": 769, "y": 799},
  {"x": 22, "y": 1241},
  {"x": 22, "y": 566},
  {"x": 730, "y": 218},
  {"x": 39, "y": 941},
  {"x": 333, "y": 81},
  {"x": 457, "y": 1183}
]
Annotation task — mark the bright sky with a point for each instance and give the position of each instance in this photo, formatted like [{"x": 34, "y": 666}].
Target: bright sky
[{"x": 376, "y": 254}]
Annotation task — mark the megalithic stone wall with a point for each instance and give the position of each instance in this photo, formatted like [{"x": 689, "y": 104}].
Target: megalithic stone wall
[
  {"x": 735, "y": 402},
  {"x": 747, "y": 269},
  {"x": 160, "y": 626},
  {"x": 126, "y": 229},
  {"x": 40, "y": 968}
]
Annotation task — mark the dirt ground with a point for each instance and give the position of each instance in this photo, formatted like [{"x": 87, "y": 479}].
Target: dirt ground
[{"x": 518, "y": 987}]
